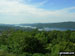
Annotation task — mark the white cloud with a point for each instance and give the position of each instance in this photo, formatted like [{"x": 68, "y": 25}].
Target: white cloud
[
  {"x": 43, "y": 2},
  {"x": 26, "y": 12}
]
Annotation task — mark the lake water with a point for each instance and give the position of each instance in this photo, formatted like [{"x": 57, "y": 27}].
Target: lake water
[{"x": 60, "y": 29}]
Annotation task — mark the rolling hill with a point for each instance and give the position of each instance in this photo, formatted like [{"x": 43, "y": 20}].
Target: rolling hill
[{"x": 52, "y": 25}]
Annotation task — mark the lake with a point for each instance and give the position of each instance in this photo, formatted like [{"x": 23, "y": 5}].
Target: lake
[{"x": 60, "y": 29}]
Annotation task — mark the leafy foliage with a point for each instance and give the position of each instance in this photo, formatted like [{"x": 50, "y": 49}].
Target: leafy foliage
[{"x": 36, "y": 43}]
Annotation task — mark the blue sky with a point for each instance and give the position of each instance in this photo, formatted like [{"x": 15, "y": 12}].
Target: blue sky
[
  {"x": 36, "y": 11},
  {"x": 54, "y": 4}
]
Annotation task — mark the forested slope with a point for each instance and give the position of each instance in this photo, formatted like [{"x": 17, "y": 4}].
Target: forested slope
[{"x": 36, "y": 43}]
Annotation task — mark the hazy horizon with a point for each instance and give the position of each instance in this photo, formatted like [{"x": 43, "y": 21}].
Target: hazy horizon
[
  {"x": 38, "y": 22},
  {"x": 36, "y": 11}
]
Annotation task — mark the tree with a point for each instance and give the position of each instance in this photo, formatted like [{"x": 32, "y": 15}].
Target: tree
[
  {"x": 55, "y": 50},
  {"x": 72, "y": 37}
]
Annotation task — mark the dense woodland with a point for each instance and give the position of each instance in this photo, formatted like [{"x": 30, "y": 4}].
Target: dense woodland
[{"x": 36, "y": 43}]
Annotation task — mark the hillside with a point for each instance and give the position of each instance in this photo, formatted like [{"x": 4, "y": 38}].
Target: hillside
[
  {"x": 62, "y": 25},
  {"x": 52, "y": 25},
  {"x": 4, "y": 27}
]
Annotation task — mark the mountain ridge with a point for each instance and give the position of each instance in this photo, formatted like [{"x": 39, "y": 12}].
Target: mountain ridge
[{"x": 52, "y": 25}]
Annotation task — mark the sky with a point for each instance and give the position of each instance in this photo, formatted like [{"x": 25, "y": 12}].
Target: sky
[{"x": 36, "y": 11}]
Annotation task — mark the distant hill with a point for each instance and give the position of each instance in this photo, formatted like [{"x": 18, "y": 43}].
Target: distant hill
[
  {"x": 4, "y": 27},
  {"x": 67, "y": 25},
  {"x": 52, "y": 25}
]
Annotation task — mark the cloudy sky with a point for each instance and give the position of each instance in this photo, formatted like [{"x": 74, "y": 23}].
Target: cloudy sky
[{"x": 36, "y": 11}]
